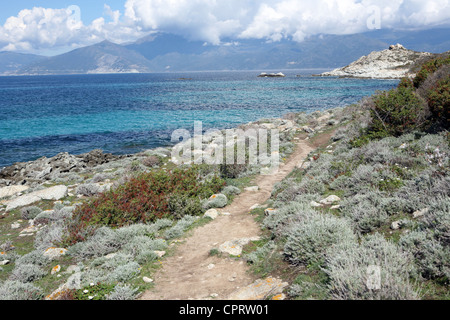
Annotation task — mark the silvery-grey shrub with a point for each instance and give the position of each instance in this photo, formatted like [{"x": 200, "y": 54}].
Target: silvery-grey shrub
[
  {"x": 50, "y": 235},
  {"x": 286, "y": 215},
  {"x": 123, "y": 292},
  {"x": 349, "y": 266},
  {"x": 27, "y": 273},
  {"x": 88, "y": 189},
  {"x": 431, "y": 257},
  {"x": 219, "y": 201},
  {"x": 231, "y": 191},
  {"x": 179, "y": 228},
  {"x": 309, "y": 239},
  {"x": 30, "y": 212},
  {"x": 17, "y": 290},
  {"x": 35, "y": 257}
]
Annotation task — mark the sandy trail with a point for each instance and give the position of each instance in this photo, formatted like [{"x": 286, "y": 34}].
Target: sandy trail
[{"x": 191, "y": 273}]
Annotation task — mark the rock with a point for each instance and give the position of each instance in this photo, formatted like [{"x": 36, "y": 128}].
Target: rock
[
  {"x": 330, "y": 200},
  {"x": 252, "y": 189},
  {"x": 260, "y": 290},
  {"x": 15, "y": 225},
  {"x": 73, "y": 268},
  {"x": 315, "y": 204},
  {"x": 4, "y": 262},
  {"x": 420, "y": 213},
  {"x": 279, "y": 297},
  {"x": 54, "y": 253},
  {"x": 217, "y": 201},
  {"x": 56, "y": 269},
  {"x": 336, "y": 207},
  {"x": 12, "y": 190},
  {"x": 392, "y": 63},
  {"x": 160, "y": 253},
  {"x": 396, "y": 225},
  {"x": 53, "y": 193},
  {"x": 234, "y": 247},
  {"x": 211, "y": 266},
  {"x": 147, "y": 280},
  {"x": 253, "y": 207},
  {"x": 308, "y": 129},
  {"x": 211, "y": 213}
]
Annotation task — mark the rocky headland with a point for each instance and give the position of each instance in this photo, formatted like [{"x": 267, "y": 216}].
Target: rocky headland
[{"x": 393, "y": 63}]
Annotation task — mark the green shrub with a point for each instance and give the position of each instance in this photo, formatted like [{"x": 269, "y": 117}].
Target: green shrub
[
  {"x": 30, "y": 212},
  {"x": 144, "y": 198},
  {"x": 429, "y": 68},
  {"x": 396, "y": 112},
  {"x": 439, "y": 102}
]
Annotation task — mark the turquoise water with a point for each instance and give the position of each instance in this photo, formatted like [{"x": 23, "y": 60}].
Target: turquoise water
[{"x": 45, "y": 115}]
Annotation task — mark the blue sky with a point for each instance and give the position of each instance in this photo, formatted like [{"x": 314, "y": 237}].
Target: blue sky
[{"x": 47, "y": 27}]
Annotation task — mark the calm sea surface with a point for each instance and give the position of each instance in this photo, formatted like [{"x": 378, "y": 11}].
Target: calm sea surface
[{"x": 45, "y": 115}]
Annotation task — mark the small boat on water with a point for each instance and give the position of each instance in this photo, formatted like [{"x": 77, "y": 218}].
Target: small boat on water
[{"x": 271, "y": 75}]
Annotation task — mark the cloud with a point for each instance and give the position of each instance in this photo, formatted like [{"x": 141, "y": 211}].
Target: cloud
[{"x": 215, "y": 21}]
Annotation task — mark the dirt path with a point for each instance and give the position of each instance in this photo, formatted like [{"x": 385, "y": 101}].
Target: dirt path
[{"x": 191, "y": 273}]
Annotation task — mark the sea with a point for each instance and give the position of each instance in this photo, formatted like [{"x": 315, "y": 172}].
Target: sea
[{"x": 129, "y": 113}]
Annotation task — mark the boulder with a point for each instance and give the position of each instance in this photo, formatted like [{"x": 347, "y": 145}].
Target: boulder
[
  {"x": 234, "y": 247},
  {"x": 12, "y": 190},
  {"x": 330, "y": 200},
  {"x": 53, "y": 193},
  {"x": 54, "y": 253},
  {"x": 252, "y": 189},
  {"x": 260, "y": 290},
  {"x": 211, "y": 213}
]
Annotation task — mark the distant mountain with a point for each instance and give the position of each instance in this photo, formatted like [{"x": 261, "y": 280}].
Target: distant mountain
[
  {"x": 10, "y": 62},
  {"x": 162, "y": 52},
  {"x": 104, "y": 57}
]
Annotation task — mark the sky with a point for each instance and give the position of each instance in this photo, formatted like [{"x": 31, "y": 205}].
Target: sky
[{"x": 55, "y": 26}]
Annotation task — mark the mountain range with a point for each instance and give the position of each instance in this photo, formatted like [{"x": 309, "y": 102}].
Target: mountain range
[{"x": 163, "y": 52}]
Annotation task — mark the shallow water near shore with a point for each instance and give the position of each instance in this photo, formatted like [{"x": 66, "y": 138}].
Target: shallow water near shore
[{"x": 122, "y": 114}]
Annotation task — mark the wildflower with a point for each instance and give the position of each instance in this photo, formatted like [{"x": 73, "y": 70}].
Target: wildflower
[{"x": 85, "y": 291}]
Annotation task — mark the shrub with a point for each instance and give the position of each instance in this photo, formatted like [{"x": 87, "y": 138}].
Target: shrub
[
  {"x": 179, "y": 228},
  {"x": 181, "y": 205},
  {"x": 231, "y": 191},
  {"x": 34, "y": 257},
  {"x": 27, "y": 273},
  {"x": 431, "y": 257},
  {"x": 30, "y": 212},
  {"x": 88, "y": 190},
  {"x": 438, "y": 99},
  {"x": 309, "y": 239},
  {"x": 144, "y": 198},
  {"x": 151, "y": 161},
  {"x": 429, "y": 68},
  {"x": 122, "y": 292},
  {"x": 348, "y": 267},
  {"x": 16, "y": 290},
  {"x": 396, "y": 112}
]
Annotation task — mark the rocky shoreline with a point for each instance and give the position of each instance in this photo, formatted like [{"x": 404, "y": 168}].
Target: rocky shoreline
[{"x": 85, "y": 175}]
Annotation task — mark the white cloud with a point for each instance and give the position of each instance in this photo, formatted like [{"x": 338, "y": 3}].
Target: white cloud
[{"x": 215, "y": 21}]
